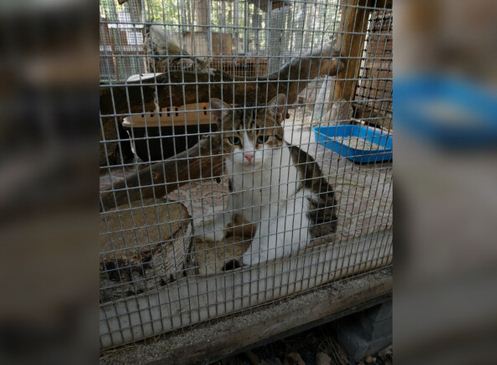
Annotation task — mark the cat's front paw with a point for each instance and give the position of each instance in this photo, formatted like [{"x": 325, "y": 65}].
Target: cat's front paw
[{"x": 250, "y": 258}]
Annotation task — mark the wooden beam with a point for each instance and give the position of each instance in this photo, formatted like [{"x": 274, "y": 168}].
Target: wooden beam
[
  {"x": 191, "y": 114},
  {"x": 201, "y": 161},
  {"x": 353, "y": 28},
  {"x": 182, "y": 87},
  {"x": 232, "y": 335},
  {"x": 163, "y": 310}
]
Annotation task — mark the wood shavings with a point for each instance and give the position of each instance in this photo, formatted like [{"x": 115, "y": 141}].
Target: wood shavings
[
  {"x": 364, "y": 196},
  {"x": 358, "y": 143}
]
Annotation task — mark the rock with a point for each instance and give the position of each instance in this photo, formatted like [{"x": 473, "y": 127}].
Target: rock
[
  {"x": 386, "y": 352},
  {"x": 293, "y": 358},
  {"x": 367, "y": 332},
  {"x": 369, "y": 359},
  {"x": 322, "y": 359}
]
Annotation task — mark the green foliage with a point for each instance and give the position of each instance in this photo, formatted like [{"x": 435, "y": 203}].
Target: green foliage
[
  {"x": 163, "y": 11},
  {"x": 108, "y": 9}
]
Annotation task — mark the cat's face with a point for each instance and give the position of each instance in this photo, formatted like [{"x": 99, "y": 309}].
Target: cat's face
[{"x": 250, "y": 135}]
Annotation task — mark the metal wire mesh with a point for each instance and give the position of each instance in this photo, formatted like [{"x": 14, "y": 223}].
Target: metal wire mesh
[{"x": 173, "y": 172}]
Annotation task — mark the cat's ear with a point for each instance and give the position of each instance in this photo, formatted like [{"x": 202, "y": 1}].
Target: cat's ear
[
  {"x": 278, "y": 106},
  {"x": 219, "y": 109}
]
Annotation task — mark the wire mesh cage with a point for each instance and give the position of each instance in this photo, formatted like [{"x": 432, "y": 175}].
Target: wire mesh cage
[{"x": 245, "y": 155}]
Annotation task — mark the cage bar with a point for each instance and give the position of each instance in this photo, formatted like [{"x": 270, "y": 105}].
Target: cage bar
[{"x": 216, "y": 197}]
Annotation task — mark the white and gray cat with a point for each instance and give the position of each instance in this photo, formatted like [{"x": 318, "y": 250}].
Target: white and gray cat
[{"x": 278, "y": 195}]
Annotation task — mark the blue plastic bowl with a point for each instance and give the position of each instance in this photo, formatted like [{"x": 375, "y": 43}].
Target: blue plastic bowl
[
  {"x": 327, "y": 136},
  {"x": 472, "y": 119}
]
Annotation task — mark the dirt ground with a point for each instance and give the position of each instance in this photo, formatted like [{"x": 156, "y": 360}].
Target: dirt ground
[{"x": 317, "y": 346}]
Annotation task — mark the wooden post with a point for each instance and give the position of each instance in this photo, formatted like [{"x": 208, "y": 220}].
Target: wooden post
[
  {"x": 202, "y": 10},
  {"x": 353, "y": 27}
]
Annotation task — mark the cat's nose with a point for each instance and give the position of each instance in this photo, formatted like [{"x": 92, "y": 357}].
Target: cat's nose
[{"x": 249, "y": 157}]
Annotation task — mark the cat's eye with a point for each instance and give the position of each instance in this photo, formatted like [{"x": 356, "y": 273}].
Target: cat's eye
[
  {"x": 262, "y": 139},
  {"x": 234, "y": 140}
]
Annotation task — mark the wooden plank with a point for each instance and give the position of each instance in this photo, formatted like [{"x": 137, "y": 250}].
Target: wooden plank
[
  {"x": 353, "y": 25},
  {"x": 156, "y": 120},
  {"x": 195, "y": 299},
  {"x": 191, "y": 114},
  {"x": 226, "y": 337}
]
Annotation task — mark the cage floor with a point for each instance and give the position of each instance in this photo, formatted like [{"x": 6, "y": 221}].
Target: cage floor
[
  {"x": 362, "y": 242},
  {"x": 364, "y": 195}
]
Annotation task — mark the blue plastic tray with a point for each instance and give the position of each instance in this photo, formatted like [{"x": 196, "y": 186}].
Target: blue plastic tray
[
  {"x": 474, "y": 110},
  {"x": 326, "y": 136}
]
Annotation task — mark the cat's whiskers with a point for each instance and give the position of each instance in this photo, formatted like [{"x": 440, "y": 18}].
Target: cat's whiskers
[{"x": 271, "y": 181}]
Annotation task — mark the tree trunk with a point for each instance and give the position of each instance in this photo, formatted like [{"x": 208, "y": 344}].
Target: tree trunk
[
  {"x": 142, "y": 247},
  {"x": 178, "y": 88},
  {"x": 202, "y": 160}
]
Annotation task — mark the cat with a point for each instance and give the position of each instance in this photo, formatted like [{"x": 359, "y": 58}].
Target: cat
[
  {"x": 165, "y": 53},
  {"x": 278, "y": 194}
]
